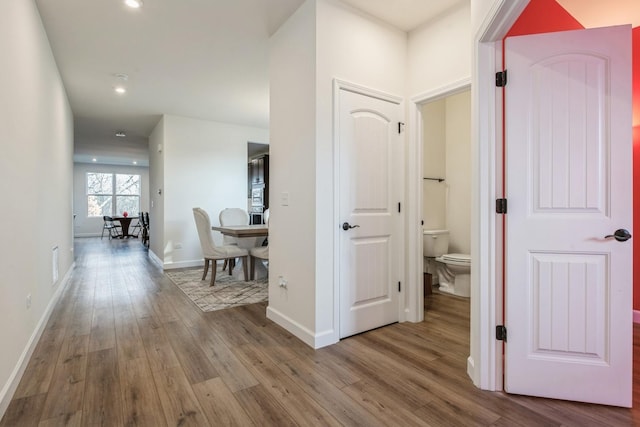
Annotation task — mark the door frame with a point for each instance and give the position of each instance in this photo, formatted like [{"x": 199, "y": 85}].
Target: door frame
[
  {"x": 414, "y": 311},
  {"x": 485, "y": 362}
]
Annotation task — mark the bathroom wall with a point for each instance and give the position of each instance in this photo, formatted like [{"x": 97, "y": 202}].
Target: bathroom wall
[
  {"x": 433, "y": 165},
  {"x": 447, "y": 154},
  {"x": 458, "y": 171}
]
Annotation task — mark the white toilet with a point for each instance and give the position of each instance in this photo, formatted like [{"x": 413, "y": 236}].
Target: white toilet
[{"x": 453, "y": 270}]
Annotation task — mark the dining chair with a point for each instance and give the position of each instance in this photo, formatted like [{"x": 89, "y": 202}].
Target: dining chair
[
  {"x": 259, "y": 252},
  {"x": 137, "y": 228},
  {"x": 114, "y": 230},
  {"x": 213, "y": 253},
  {"x": 146, "y": 228},
  {"x": 232, "y": 216}
]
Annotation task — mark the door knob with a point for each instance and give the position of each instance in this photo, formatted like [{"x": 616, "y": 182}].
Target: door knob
[
  {"x": 347, "y": 226},
  {"x": 621, "y": 235}
]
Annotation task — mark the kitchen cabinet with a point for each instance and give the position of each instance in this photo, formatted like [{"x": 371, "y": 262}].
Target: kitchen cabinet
[
  {"x": 259, "y": 170},
  {"x": 258, "y": 186}
]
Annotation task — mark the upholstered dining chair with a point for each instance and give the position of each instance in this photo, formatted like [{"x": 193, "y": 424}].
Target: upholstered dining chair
[
  {"x": 114, "y": 230},
  {"x": 232, "y": 216},
  {"x": 213, "y": 253},
  {"x": 259, "y": 252}
]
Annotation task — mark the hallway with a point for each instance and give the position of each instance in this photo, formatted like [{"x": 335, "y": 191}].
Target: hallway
[{"x": 124, "y": 346}]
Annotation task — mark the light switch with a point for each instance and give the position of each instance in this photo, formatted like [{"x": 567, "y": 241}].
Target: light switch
[{"x": 284, "y": 198}]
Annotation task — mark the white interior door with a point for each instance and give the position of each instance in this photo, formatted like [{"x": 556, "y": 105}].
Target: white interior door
[
  {"x": 370, "y": 150},
  {"x": 569, "y": 184}
]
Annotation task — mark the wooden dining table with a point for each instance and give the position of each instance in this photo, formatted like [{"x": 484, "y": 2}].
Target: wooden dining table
[
  {"x": 125, "y": 222},
  {"x": 255, "y": 230}
]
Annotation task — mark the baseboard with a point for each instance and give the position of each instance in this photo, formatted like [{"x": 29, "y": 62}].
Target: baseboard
[
  {"x": 11, "y": 385},
  {"x": 154, "y": 258},
  {"x": 471, "y": 367},
  {"x": 636, "y": 316},
  {"x": 182, "y": 264},
  {"x": 304, "y": 334}
]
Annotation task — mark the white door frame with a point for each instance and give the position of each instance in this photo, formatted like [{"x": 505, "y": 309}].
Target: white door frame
[
  {"x": 484, "y": 364},
  {"x": 414, "y": 308}
]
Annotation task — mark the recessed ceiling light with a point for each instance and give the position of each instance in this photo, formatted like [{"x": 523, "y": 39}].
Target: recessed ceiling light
[
  {"x": 135, "y": 4},
  {"x": 135, "y": 163},
  {"x": 120, "y": 89},
  {"x": 94, "y": 160},
  {"x": 121, "y": 134}
]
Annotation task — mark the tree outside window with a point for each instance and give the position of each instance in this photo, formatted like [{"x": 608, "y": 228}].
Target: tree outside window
[{"x": 112, "y": 194}]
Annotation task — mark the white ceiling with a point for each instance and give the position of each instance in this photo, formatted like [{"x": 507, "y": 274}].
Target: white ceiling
[{"x": 204, "y": 59}]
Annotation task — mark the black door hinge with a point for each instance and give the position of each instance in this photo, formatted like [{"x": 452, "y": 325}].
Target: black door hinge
[
  {"x": 501, "y": 206},
  {"x": 501, "y": 333},
  {"x": 400, "y": 127},
  {"x": 501, "y": 78},
  {"x": 399, "y": 207},
  {"x": 399, "y": 287}
]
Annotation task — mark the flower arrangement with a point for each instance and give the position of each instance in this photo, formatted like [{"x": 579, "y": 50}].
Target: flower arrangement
[{"x": 125, "y": 214}]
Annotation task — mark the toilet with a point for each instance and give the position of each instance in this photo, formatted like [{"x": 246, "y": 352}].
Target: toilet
[{"x": 452, "y": 270}]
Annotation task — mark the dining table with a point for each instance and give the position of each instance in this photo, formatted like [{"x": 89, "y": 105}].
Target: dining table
[
  {"x": 249, "y": 236},
  {"x": 125, "y": 222},
  {"x": 239, "y": 231}
]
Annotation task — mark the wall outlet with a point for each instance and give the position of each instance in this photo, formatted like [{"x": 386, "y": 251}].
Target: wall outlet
[{"x": 29, "y": 301}]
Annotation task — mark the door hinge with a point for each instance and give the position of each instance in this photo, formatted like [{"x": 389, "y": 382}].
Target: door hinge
[
  {"x": 399, "y": 287},
  {"x": 501, "y": 78},
  {"x": 501, "y": 206},
  {"x": 400, "y": 127},
  {"x": 501, "y": 333},
  {"x": 399, "y": 207}
]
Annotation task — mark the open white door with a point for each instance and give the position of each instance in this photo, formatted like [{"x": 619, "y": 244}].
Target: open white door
[
  {"x": 569, "y": 184},
  {"x": 370, "y": 149}
]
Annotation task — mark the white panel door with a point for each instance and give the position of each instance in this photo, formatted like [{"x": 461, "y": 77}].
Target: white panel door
[
  {"x": 369, "y": 153},
  {"x": 569, "y": 184}
]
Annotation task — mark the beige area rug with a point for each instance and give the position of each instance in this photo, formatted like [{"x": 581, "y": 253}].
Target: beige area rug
[{"x": 228, "y": 292}]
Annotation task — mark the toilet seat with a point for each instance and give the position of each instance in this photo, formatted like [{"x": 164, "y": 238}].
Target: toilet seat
[{"x": 455, "y": 259}]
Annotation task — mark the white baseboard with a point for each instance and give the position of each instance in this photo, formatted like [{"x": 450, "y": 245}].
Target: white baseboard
[
  {"x": 471, "y": 367},
  {"x": 11, "y": 385},
  {"x": 154, "y": 258},
  {"x": 636, "y": 316},
  {"x": 182, "y": 264},
  {"x": 304, "y": 334}
]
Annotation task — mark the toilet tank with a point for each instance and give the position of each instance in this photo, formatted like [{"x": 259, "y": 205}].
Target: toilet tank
[{"x": 435, "y": 243}]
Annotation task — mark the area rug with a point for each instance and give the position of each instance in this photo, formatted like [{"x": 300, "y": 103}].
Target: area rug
[{"x": 228, "y": 291}]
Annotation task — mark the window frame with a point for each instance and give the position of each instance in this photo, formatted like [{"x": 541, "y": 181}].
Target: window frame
[{"x": 114, "y": 195}]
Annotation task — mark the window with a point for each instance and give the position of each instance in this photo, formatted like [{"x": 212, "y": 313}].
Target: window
[{"x": 111, "y": 194}]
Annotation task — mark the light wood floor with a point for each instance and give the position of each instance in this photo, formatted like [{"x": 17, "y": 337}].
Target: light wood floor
[{"x": 125, "y": 347}]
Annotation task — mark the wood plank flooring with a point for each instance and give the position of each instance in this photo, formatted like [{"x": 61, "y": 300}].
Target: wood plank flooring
[{"x": 125, "y": 347}]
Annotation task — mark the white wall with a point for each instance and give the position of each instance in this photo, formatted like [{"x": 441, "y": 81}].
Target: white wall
[
  {"x": 292, "y": 253},
  {"x": 156, "y": 186},
  {"x": 458, "y": 171},
  {"x": 85, "y": 226},
  {"x": 439, "y": 52},
  {"x": 324, "y": 40},
  {"x": 434, "y": 153},
  {"x": 36, "y": 183},
  {"x": 447, "y": 154},
  {"x": 205, "y": 165}
]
